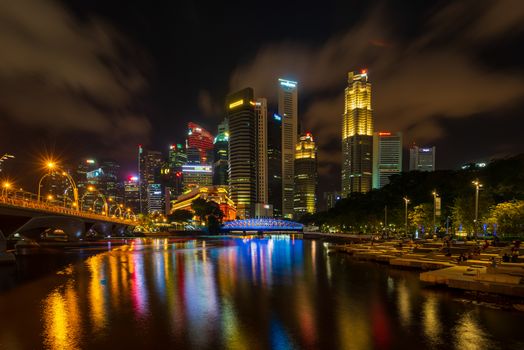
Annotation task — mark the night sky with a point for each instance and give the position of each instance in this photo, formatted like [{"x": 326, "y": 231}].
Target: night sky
[{"x": 86, "y": 78}]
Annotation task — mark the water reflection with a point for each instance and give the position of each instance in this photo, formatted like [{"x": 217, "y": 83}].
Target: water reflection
[{"x": 275, "y": 292}]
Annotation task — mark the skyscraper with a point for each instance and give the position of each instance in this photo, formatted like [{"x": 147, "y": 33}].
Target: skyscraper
[
  {"x": 221, "y": 157},
  {"x": 196, "y": 175},
  {"x": 387, "y": 157},
  {"x": 132, "y": 194},
  {"x": 261, "y": 115},
  {"x": 242, "y": 151},
  {"x": 200, "y": 139},
  {"x": 357, "y": 135},
  {"x": 422, "y": 158},
  {"x": 149, "y": 166},
  {"x": 288, "y": 110},
  {"x": 305, "y": 198},
  {"x": 274, "y": 163}
]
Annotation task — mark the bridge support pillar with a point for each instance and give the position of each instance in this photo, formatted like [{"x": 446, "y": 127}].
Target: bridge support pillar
[{"x": 5, "y": 257}]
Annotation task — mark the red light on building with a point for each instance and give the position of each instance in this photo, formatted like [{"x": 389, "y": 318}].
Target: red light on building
[
  {"x": 364, "y": 71},
  {"x": 200, "y": 139},
  {"x": 384, "y": 133}
]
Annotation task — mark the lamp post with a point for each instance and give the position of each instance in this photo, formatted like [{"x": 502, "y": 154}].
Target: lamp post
[
  {"x": 435, "y": 195},
  {"x": 477, "y": 185},
  {"x": 406, "y": 201},
  {"x": 5, "y": 188},
  {"x": 5, "y": 157},
  {"x": 52, "y": 168}
]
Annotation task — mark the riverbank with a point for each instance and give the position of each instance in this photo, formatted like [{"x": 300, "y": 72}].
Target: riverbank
[{"x": 475, "y": 274}]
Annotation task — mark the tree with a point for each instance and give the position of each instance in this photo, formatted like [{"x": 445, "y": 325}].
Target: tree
[
  {"x": 422, "y": 217},
  {"x": 180, "y": 215},
  {"x": 508, "y": 218}
]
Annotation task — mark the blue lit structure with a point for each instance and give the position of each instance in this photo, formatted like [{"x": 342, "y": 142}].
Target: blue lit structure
[{"x": 262, "y": 225}]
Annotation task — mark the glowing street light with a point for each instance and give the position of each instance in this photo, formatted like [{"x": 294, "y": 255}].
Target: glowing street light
[
  {"x": 406, "y": 201},
  {"x": 6, "y": 185},
  {"x": 477, "y": 185},
  {"x": 435, "y": 196}
]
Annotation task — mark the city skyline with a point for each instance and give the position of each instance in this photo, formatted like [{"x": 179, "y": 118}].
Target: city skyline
[{"x": 158, "y": 102}]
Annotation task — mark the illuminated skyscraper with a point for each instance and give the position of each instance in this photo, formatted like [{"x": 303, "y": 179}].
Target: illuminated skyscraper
[
  {"x": 305, "y": 198},
  {"x": 261, "y": 115},
  {"x": 288, "y": 110},
  {"x": 274, "y": 163},
  {"x": 357, "y": 135},
  {"x": 149, "y": 166},
  {"x": 422, "y": 158},
  {"x": 240, "y": 108},
  {"x": 387, "y": 157},
  {"x": 132, "y": 194},
  {"x": 221, "y": 157},
  {"x": 200, "y": 139}
]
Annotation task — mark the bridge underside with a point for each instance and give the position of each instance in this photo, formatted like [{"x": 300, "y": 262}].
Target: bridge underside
[{"x": 41, "y": 226}]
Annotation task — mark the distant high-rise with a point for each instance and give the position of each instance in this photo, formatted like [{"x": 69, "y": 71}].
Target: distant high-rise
[
  {"x": 331, "y": 199},
  {"x": 221, "y": 157},
  {"x": 305, "y": 198},
  {"x": 200, "y": 139},
  {"x": 149, "y": 166},
  {"x": 357, "y": 135},
  {"x": 131, "y": 194},
  {"x": 288, "y": 110},
  {"x": 422, "y": 158},
  {"x": 240, "y": 108},
  {"x": 261, "y": 115},
  {"x": 177, "y": 156},
  {"x": 274, "y": 163},
  {"x": 196, "y": 175},
  {"x": 387, "y": 157},
  {"x": 155, "y": 199}
]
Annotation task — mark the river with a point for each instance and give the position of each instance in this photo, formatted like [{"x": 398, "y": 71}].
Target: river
[{"x": 277, "y": 292}]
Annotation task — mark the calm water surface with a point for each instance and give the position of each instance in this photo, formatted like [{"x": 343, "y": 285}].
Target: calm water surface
[{"x": 279, "y": 293}]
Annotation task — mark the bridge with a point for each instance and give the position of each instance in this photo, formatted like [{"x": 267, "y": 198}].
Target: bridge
[
  {"x": 31, "y": 218},
  {"x": 261, "y": 225}
]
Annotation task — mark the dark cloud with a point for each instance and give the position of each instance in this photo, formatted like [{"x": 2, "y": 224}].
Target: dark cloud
[
  {"x": 67, "y": 74},
  {"x": 435, "y": 74}
]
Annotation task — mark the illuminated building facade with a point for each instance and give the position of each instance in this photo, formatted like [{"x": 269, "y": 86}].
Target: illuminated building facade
[
  {"x": 240, "y": 108},
  {"x": 149, "y": 166},
  {"x": 155, "y": 199},
  {"x": 201, "y": 140},
  {"x": 357, "y": 135},
  {"x": 422, "y": 158},
  {"x": 387, "y": 157},
  {"x": 221, "y": 155},
  {"x": 261, "y": 115},
  {"x": 274, "y": 163},
  {"x": 288, "y": 111},
  {"x": 305, "y": 198},
  {"x": 131, "y": 194},
  {"x": 196, "y": 176},
  {"x": 331, "y": 199},
  {"x": 217, "y": 194}
]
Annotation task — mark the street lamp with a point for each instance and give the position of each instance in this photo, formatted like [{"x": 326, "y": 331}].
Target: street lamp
[
  {"x": 435, "y": 195},
  {"x": 406, "y": 201},
  {"x": 5, "y": 187},
  {"x": 5, "y": 157},
  {"x": 477, "y": 185},
  {"x": 52, "y": 168}
]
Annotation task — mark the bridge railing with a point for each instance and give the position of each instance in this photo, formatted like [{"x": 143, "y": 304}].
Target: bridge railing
[{"x": 31, "y": 204}]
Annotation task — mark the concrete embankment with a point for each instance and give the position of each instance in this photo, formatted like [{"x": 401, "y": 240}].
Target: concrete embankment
[{"x": 476, "y": 274}]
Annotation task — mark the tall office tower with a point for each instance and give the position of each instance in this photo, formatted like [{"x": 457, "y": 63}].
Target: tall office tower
[
  {"x": 200, "y": 139},
  {"x": 357, "y": 135},
  {"x": 331, "y": 199},
  {"x": 387, "y": 157},
  {"x": 177, "y": 156},
  {"x": 242, "y": 151},
  {"x": 150, "y": 164},
  {"x": 132, "y": 194},
  {"x": 274, "y": 163},
  {"x": 194, "y": 156},
  {"x": 155, "y": 199},
  {"x": 221, "y": 158},
  {"x": 422, "y": 158},
  {"x": 288, "y": 110},
  {"x": 80, "y": 176},
  {"x": 196, "y": 175},
  {"x": 261, "y": 115},
  {"x": 108, "y": 183},
  {"x": 305, "y": 193}
]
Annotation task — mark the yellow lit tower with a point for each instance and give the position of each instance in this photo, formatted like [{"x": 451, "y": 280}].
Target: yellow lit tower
[
  {"x": 305, "y": 199},
  {"x": 357, "y": 135}
]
